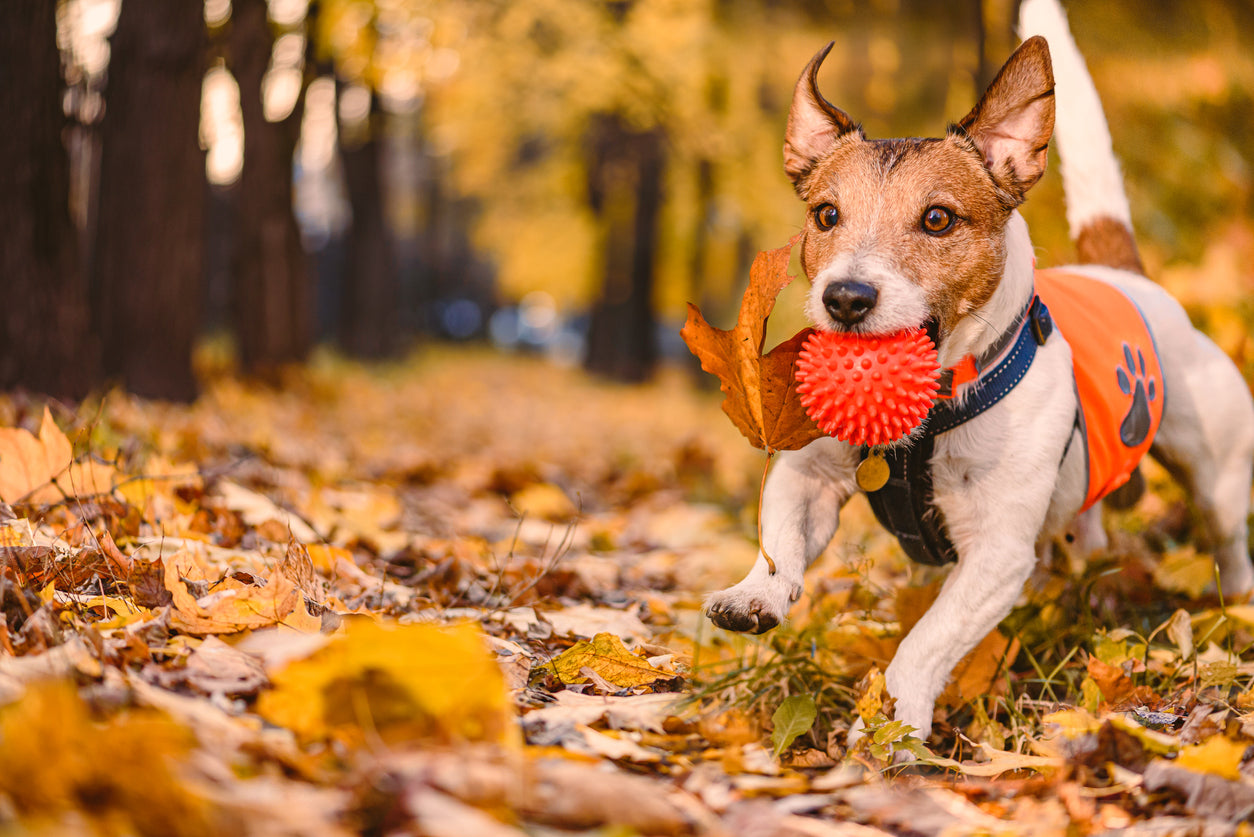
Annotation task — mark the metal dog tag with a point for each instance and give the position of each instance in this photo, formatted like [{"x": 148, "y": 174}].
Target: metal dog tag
[{"x": 872, "y": 473}]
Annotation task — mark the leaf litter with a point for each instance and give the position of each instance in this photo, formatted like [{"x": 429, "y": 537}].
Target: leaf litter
[{"x": 462, "y": 596}]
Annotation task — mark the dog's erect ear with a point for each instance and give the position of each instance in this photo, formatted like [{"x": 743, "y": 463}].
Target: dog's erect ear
[
  {"x": 1012, "y": 124},
  {"x": 814, "y": 124}
]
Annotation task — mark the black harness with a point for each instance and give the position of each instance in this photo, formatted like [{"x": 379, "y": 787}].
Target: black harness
[{"x": 904, "y": 505}]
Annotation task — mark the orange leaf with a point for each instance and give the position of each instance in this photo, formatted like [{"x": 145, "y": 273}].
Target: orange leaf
[
  {"x": 762, "y": 399},
  {"x": 29, "y": 464},
  {"x": 230, "y": 607}
]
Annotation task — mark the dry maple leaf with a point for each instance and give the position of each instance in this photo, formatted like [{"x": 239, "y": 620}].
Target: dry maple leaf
[
  {"x": 41, "y": 469},
  {"x": 762, "y": 399},
  {"x": 605, "y": 655}
]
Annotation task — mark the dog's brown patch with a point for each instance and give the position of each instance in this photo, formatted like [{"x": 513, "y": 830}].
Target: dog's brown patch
[{"x": 1107, "y": 241}]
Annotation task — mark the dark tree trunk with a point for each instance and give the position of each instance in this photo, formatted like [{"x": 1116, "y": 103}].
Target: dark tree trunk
[
  {"x": 272, "y": 295},
  {"x": 149, "y": 271},
  {"x": 45, "y": 339},
  {"x": 370, "y": 298},
  {"x": 625, "y": 169}
]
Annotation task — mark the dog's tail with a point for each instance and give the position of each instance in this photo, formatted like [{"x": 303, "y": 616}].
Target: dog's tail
[{"x": 1097, "y": 207}]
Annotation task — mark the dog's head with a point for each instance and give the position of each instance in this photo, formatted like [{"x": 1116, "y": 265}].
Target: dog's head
[{"x": 911, "y": 232}]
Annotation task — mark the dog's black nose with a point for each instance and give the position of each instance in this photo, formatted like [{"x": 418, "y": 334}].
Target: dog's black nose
[{"x": 849, "y": 302}]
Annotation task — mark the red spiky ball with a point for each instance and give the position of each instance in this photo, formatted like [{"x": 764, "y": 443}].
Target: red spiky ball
[{"x": 868, "y": 390}]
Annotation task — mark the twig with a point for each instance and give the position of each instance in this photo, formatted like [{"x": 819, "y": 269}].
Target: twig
[{"x": 770, "y": 562}]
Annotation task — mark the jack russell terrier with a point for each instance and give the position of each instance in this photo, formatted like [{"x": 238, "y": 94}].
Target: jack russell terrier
[{"x": 903, "y": 233}]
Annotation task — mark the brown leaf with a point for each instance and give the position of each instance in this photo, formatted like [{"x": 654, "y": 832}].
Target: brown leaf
[
  {"x": 1112, "y": 680},
  {"x": 762, "y": 399},
  {"x": 147, "y": 584},
  {"x": 1206, "y": 793},
  {"x": 217, "y": 667},
  {"x": 299, "y": 568}
]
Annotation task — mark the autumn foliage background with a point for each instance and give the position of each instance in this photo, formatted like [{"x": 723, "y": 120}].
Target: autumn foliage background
[{"x": 354, "y": 479}]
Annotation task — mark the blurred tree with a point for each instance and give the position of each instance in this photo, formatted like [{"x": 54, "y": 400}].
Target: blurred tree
[
  {"x": 272, "y": 287},
  {"x": 148, "y": 276},
  {"x": 624, "y": 170},
  {"x": 370, "y": 295},
  {"x": 45, "y": 339}
]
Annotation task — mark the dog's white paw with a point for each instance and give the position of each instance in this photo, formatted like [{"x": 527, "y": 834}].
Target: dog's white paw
[{"x": 755, "y": 605}]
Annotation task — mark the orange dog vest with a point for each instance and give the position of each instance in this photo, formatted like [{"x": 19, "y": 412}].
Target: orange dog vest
[{"x": 1118, "y": 377}]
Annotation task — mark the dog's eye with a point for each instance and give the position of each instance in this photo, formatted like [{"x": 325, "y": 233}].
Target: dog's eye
[
  {"x": 826, "y": 216},
  {"x": 937, "y": 220}
]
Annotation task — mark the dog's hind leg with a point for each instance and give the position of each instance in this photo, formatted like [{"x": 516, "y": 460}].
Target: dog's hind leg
[
  {"x": 1207, "y": 443},
  {"x": 800, "y": 511}
]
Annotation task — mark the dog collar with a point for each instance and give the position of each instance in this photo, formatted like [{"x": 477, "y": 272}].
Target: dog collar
[
  {"x": 903, "y": 505},
  {"x": 1031, "y": 329}
]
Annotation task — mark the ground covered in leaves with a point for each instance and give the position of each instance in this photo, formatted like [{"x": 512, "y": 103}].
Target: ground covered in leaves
[{"x": 461, "y": 596}]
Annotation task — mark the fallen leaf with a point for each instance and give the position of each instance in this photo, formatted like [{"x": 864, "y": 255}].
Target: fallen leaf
[
  {"x": 231, "y": 606},
  {"x": 1185, "y": 571},
  {"x": 586, "y": 621},
  {"x": 638, "y": 712},
  {"x": 256, "y": 509},
  {"x": 1112, "y": 680},
  {"x": 41, "y": 469},
  {"x": 545, "y": 501},
  {"x": 298, "y": 566},
  {"x": 792, "y": 719},
  {"x": 762, "y": 399},
  {"x": 606, "y": 655},
  {"x": 1180, "y": 630},
  {"x": 400, "y": 683},
  {"x": 998, "y": 762},
  {"x": 1217, "y": 755},
  {"x": 872, "y": 695},
  {"x": 29, "y": 463},
  {"x": 439, "y": 815},
  {"x": 1213, "y": 795},
  {"x": 216, "y": 667},
  {"x": 125, "y": 766}
]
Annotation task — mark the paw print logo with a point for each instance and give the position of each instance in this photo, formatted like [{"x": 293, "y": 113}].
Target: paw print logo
[{"x": 1144, "y": 390}]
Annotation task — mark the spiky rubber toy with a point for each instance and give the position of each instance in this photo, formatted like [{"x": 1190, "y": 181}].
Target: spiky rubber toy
[{"x": 868, "y": 390}]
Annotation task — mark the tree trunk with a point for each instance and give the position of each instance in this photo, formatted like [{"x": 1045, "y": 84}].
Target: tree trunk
[
  {"x": 149, "y": 271},
  {"x": 370, "y": 296},
  {"x": 45, "y": 340},
  {"x": 625, "y": 171},
  {"x": 272, "y": 295}
]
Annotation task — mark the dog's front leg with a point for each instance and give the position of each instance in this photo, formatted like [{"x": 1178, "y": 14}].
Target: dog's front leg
[
  {"x": 800, "y": 511},
  {"x": 979, "y": 593}
]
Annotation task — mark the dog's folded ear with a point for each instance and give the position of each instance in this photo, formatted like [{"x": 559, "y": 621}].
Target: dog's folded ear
[
  {"x": 814, "y": 124},
  {"x": 1012, "y": 124}
]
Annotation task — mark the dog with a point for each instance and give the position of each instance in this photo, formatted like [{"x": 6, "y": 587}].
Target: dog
[{"x": 905, "y": 233}]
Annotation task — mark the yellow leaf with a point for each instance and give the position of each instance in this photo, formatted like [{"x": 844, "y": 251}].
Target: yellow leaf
[
  {"x": 1217, "y": 755},
  {"x": 1072, "y": 723},
  {"x": 606, "y": 655},
  {"x": 324, "y": 556},
  {"x": 29, "y": 464},
  {"x": 545, "y": 501},
  {"x": 57, "y": 758},
  {"x": 874, "y": 691},
  {"x": 230, "y": 606},
  {"x": 1185, "y": 571},
  {"x": 16, "y": 533},
  {"x": 401, "y": 683}
]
